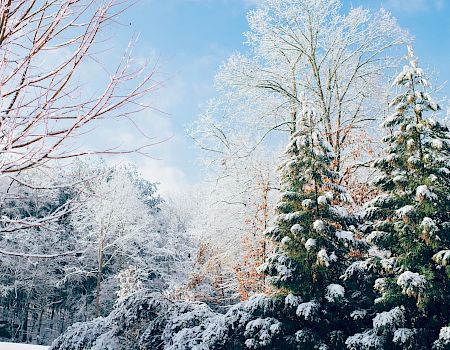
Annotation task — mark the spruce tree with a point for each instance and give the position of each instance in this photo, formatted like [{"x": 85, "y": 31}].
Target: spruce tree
[
  {"x": 312, "y": 241},
  {"x": 411, "y": 224}
]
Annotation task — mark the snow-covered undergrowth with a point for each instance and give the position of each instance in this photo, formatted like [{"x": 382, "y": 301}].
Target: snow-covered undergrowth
[
  {"x": 15, "y": 346},
  {"x": 149, "y": 321}
]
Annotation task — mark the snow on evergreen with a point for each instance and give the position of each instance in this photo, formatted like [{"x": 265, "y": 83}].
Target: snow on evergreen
[{"x": 410, "y": 221}]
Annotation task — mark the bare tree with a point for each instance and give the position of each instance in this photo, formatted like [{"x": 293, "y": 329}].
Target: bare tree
[{"x": 46, "y": 98}]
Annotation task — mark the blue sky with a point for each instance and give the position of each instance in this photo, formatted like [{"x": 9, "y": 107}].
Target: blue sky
[{"x": 191, "y": 38}]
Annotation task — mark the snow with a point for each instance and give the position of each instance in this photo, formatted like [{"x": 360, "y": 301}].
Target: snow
[
  {"x": 334, "y": 292},
  {"x": 291, "y": 216},
  {"x": 319, "y": 226},
  {"x": 380, "y": 284},
  {"x": 292, "y": 300},
  {"x": 296, "y": 229},
  {"x": 423, "y": 192},
  {"x": 428, "y": 225},
  {"x": 444, "y": 334},
  {"x": 374, "y": 236},
  {"x": 364, "y": 341},
  {"x": 310, "y": 243},
  {"x": 405, "y": 211},
  {"x": 357, "y": 268},
  {"x": 389, "y": 319},
  {"x": 308, "y": 310},
  {"x": 444, "y": 339},
  {"x": 345, "y": 235},
  {"x": 15, "y": 346},
  {"x": 403, "y": 335},
  {"x": 307, "y": 203},
  {"x": 411, "y": 283},
  {"x": 437, "y": 144},
  {"x": 413, "y": 160},
  {"x": 322, "y": 258},
  {"x": 442, "y": 257},
  {"x": 322, "y": 200},
  {"x": 358, "y": 314},
  {"x": 389, "y": 264},
  {"x": 264, "y": 329},
  {"x": 333, "y": 257}
]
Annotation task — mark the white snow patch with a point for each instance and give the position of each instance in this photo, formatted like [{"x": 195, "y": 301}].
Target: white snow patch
[
  {"x": 411, "y": 283},
  {"x": 444, "y": 334},
  {"x": 319, "y": 226},
  {"x": 334, "y": 292},
  {"x": 308, "y": 310},
  {"x": 428, "y": 225},
  {"x": 322, "y": 258},
  {"x": 307, "y": 203},
  {"x": 310, "y": 243},
  {"x": 292, "y": 300},
  {"x": 296, "y": 229},
  {"x": 345, "y": 235},
  {"x": 389, "y": 319},
  {"x": 358, "y": 314},
  {"x": 405, "y": 211},
  {"x": 16, "y": 346},
  {"x": 442, "y": 257},
  {"x": 403, "y": 335},
  {"x": 423, "y": 192},
  {"x": 322, "y": 200}
]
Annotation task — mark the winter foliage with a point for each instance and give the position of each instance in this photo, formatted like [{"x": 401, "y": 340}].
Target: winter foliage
[{"x": 259, "y": 256}]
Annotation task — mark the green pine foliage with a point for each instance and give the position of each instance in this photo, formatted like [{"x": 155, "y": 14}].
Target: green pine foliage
[
  {"x": 411, "y": 223},
  {"x": 313, "y": 238}
]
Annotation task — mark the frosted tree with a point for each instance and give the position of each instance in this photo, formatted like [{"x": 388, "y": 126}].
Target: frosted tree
[
  {"x": 228, "y": 217},
  {"x": 411, "y": 223},
  {"x": 301, "y": 47},
  {"x": 115, "y": 220},
  {"x": 130, "y": 281},
  {"x": 296, "y": 47}
]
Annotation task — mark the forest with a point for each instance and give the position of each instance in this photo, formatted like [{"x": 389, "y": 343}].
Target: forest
[{"x": 321, "y": 219}]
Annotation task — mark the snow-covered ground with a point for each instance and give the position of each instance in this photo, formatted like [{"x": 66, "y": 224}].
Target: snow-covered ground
[{"x": 14, "y": 346}]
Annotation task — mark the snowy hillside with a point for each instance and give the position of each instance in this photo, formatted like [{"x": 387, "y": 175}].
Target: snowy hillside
[{"x": 14, "y": 346}]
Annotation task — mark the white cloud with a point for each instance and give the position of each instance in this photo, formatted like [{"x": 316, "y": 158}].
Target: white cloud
[
  {"x": 170, "y": 178},
  {"x": 416, "y": 6}
]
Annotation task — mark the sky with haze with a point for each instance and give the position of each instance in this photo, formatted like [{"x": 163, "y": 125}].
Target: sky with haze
[{"x": 191, "y": 38}]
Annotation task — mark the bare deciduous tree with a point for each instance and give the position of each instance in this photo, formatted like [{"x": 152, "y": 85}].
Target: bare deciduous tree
[{"x": 49, "y": 96}]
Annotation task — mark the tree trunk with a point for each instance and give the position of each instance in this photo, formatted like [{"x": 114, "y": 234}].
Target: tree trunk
[
  {"x": 25, "y": 324},
  {"x": 38, "y": 331},
  {"x": 99, "y": 276}
]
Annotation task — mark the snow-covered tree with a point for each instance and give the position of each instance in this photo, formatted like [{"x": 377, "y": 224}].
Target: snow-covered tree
[
  {"x": 311, "y": 236},
  {"x": 297, "y": 47},
  {"x": 411, "y": 223},
  {"x": 112, "y": 217}
]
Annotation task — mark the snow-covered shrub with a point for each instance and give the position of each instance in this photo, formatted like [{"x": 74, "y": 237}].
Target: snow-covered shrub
[{"x": 443, "y": 342}]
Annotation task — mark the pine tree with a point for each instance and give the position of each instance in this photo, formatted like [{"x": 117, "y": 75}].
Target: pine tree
[
  {"x": 411, "y": 224},
  {"x": 312, "y": 241}
]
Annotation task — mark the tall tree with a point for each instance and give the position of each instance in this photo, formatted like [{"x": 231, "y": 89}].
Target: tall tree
[
  {"x": 301, "y": 47},
  {"x": 412, "y": 223},
  {"x": 312, "y": 242}
]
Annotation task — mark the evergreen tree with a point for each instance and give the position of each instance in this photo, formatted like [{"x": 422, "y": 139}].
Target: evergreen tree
[
  {"x": 312, "y": 242},
  {"x": 411, "y": 224}
]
